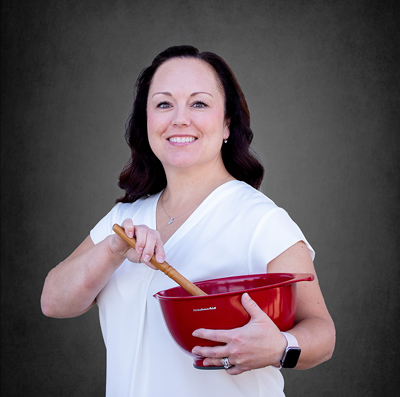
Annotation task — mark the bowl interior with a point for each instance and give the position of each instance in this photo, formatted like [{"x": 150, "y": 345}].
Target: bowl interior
[{"x": 235, "y": 284}]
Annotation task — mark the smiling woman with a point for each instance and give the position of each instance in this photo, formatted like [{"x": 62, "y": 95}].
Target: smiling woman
[
  {"x": 191, "y": 195},
  {"x": 144, "y": 173}
]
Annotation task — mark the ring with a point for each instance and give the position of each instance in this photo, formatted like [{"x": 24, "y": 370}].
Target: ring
[{"x": 225, "y": 363}]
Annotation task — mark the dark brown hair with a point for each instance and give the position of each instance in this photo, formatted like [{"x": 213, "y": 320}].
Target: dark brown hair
[{"x": 144, "y": 174}]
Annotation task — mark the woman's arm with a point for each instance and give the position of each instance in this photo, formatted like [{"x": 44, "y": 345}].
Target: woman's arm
[
  {"x": 313, "y": 328},
  {"x": 260, "y": 343},
  {"x": 71, "y": 288}
]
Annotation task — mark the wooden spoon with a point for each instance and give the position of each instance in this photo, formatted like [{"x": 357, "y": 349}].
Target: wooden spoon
[{"x": 164, "y": 267}]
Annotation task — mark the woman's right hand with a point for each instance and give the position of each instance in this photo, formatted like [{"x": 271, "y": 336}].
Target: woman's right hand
[
  {"x": 71, "y": 288},
  {"x": 148, "y": 242}
]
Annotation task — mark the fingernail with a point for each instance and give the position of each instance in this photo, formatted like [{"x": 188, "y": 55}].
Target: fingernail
[
  {"x": 146, "y": 258},
  {"x": 195, "y": 333},
  {"x": 130, "y": 234},
  {"x": 139, "y": 250},
  {"x": 194, "y": 351},
  {"x": 246, "y": 296},
  {"x": 160, "y": 259}
]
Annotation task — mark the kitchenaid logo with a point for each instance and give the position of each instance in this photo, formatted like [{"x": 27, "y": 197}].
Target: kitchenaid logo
[{"x": 204, "y": 308}]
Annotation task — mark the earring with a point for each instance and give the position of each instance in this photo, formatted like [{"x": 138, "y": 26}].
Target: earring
[{"x": 225, "y": 141}]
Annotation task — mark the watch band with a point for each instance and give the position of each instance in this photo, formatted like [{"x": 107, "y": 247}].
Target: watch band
[
  {"x": 291, "y": 340},
  {"x": 291, "y": 353}
]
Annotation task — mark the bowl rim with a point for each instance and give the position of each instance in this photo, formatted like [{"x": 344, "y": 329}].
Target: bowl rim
[{"x": 294, "y": 278}]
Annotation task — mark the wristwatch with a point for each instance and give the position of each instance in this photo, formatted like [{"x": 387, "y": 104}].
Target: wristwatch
[{"x": 292, "y": 352}]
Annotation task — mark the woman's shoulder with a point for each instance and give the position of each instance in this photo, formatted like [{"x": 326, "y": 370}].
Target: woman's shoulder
[
  {"x": 127, "y": 209},
  {"x": 251, "y": 198},
  {"x": 121, "y": 211}
]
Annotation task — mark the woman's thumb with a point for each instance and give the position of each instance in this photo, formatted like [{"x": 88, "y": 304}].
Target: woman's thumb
[{"x": 251, "y": 307}]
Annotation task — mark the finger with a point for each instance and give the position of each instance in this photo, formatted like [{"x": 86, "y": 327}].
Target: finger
[
  {"x": 215, "y": 362},
  {"x": 118, "y": 244},
  {"x": 159, "y": 251},
  {"x": 133, "y": 256},
  {"x": 216, "y": 335},
  {"x": 127, "y": 225},
  {"x": 213, "y": 353},
  {"x": 141, "y": 238},
  {"x": 150, "y": 244},
  {"x": 235, "y": 370},
  {"x": 252, "y": 308}
]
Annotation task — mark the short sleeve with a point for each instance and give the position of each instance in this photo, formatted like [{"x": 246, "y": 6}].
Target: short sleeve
[
  {"x": 104, "y": 226},
  {"x": 274, "y": 234}
]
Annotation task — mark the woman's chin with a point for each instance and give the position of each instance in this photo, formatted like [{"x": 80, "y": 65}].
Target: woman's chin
[
  {"x": 181, "y": 161},
  {"x": 190, "y": 161}
]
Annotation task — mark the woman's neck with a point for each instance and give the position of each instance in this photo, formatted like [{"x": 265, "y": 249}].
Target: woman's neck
[
  {"x": 186, "y": 187},
  {"x": 185, "y": 191}
]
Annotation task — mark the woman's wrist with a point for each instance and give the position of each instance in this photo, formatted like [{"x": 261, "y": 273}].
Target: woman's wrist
[
  {"x": 291, "y": 353},
  {"x": 280, "y": 351}
]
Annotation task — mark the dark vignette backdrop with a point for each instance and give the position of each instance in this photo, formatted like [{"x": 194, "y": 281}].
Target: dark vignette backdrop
[{"x": 321, "y": 79}]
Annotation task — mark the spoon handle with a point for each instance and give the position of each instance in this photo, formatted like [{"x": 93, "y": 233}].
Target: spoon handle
[{"x": 164, "y": 267}]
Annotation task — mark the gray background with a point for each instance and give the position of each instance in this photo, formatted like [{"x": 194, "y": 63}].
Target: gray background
[{"x": 321, "y": 79}]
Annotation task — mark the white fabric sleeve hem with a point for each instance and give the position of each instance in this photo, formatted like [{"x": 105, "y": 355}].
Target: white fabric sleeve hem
[
  {"x": 274, "y": 234},
  {"x": 104, "y": 226}
]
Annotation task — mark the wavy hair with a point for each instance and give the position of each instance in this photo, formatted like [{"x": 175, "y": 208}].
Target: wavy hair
[{"x": 144, "y": 174}]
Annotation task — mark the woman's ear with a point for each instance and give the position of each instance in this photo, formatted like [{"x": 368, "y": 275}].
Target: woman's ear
[{"x": 226, "y": 128}]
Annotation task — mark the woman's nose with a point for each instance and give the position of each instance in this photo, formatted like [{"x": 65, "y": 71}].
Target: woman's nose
[{"x": 181, "y": 116}]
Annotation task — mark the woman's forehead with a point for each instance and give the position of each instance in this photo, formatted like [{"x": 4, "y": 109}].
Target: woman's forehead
[{"x": 185, "y": 74}]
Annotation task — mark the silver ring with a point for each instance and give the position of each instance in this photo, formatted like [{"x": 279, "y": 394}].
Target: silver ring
[{"x": 225, "y": 363}]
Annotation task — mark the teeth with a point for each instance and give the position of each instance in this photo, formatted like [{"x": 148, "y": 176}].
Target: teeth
[{"x": 178, "y": 139}]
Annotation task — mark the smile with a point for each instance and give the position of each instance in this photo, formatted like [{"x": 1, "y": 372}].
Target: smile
[{"x": 178, "y": 139}]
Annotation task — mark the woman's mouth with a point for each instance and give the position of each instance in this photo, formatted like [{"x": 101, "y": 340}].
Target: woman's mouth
[{"x": 182, "y": 139}]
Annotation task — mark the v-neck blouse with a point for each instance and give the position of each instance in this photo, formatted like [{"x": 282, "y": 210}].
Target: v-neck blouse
[{"x": 236, "y": 230}]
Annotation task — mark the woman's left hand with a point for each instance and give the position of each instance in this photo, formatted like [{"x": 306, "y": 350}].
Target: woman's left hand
[{"x": 256, "y": 345}]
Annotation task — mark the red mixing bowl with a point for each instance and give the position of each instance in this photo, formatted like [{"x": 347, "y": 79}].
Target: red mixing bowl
[{"x": 275, "y": 293}]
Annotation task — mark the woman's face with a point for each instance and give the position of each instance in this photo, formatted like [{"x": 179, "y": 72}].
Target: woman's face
[{"x": 185, "y": 114}]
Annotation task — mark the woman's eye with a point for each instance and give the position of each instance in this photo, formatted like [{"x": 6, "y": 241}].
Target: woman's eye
[
  {"x": 164, "y": 105},
  {"x": 199, "y": 104}
]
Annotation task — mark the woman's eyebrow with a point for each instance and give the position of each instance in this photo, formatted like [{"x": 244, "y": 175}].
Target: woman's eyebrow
[
  {"x": 193, "y": 94},
  {"x": 162, "y": 93},
  {"x": 201, "y": 92}
]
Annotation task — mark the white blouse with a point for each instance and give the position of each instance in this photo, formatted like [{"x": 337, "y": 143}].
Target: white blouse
[{"x": 236, "y": 230}]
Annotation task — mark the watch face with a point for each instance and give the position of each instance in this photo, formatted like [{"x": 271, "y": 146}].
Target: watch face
[{"x": 292, "y": 356}]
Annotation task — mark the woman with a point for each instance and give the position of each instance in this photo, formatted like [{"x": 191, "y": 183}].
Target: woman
[{"x": 191, "y": 196}]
